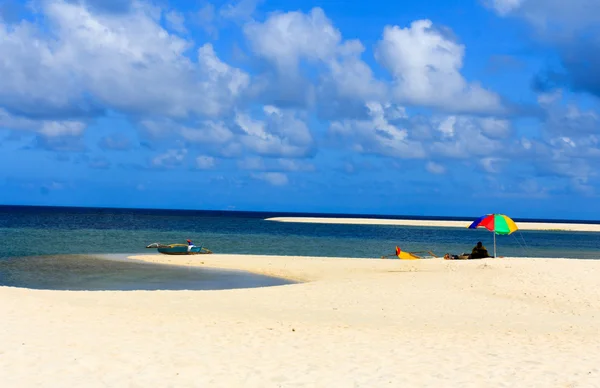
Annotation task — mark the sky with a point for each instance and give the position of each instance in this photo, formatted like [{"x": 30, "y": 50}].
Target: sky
[{"x": 430, "y": 108}]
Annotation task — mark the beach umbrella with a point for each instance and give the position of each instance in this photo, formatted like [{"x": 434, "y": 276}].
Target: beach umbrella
[{"x": 495, "y": 223}]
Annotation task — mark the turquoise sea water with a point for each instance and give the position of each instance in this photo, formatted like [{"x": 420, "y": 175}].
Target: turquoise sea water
[{"x": 60, "y": 232}]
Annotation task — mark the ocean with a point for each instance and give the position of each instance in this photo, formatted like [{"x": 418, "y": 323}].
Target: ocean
[{"x": 31, "y": 233}]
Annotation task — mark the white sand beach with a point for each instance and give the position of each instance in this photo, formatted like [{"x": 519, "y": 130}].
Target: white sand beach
[
  {"x": 436, "y": 223},
  {"x": 351, "y": 323}
]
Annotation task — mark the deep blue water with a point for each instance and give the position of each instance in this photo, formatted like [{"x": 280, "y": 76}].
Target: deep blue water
[{"x": 40, "y": 231}]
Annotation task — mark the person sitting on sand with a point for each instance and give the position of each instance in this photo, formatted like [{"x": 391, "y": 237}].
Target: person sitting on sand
[{"x": 479, "y": 252}]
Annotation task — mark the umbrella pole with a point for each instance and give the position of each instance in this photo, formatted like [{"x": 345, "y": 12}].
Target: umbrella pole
[{"x": 494, "y": 244}]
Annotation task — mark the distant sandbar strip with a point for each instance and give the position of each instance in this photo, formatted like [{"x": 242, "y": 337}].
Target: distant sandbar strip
[{"x": 436, "y": 223}]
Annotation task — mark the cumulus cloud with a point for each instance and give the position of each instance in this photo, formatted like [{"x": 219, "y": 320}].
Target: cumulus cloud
[
  {"x": 426, "y": 64},
  {"x": 302, "y": 85},
  {"x": 285, "y": 38},
  {"x": 379, "y": 134},
  {"x": 57, "y": 135},
  {"x": 277, "y": 133},
  {"x": 464, "y": 137},
  {"x": 64, "y": 128},
  {"x": 125, "y": 61},
  {"x": 293, "y": 40},
  {"x": 281, "y": 133},
  {"x": 170, "y": 159},
  {"x": 442, "y": 140}
]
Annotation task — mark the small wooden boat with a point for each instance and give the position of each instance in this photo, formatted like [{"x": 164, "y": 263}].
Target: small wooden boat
[{"x": 179, "y": 249}]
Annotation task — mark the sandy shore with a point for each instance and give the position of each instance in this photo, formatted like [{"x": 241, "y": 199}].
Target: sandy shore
[
  {"x": 353, "y": 323},
  {"x": 435, "y": 223}
]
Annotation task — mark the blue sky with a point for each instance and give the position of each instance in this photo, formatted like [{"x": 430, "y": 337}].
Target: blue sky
[{"x": 418, "y": 108}]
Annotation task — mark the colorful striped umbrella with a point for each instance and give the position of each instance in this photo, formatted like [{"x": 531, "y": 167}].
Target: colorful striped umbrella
[{"x": 495, "y": 223}]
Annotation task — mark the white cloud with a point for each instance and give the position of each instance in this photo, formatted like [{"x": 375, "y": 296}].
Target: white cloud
[
  {"x": 495, "y": 128},
  {"x": 377, "y": 134},
  {"x": 206, "y": 131},
  {"x": 281, "y": 133},
  {"x": 205, "y": 18},
  {"x": 48, "y": 128},
  {"x": 176, "y": 21},
  {"x": 294, "y": 165},
  {"x": 426, "y": 68},
  {"x": 273, "y": 178},
  {"x": 504, "y": 7},
  {"x": 239, "y": 11},
  {"x": 124, "y": 61},
  {"x": 81, "y": 61},
  {"x": 171, "y": 158},
  {"x": 464, "y": 137},
  {"x": 64, "y": 128},
  {"x": 435, "y": 168},
  {"x": 491, "y": 164},
  {"x": 286, "y": 39},
  {"x": 349, "y": 82},
  {"x": 220, "y": 73},
  {"x": 204, "y": 162}
]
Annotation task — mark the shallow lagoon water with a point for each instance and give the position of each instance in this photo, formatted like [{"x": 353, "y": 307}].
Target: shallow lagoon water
[{"x": 116, "y": 272}]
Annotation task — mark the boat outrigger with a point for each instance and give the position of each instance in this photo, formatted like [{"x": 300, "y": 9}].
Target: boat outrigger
[{"x": 179, "y": 249}]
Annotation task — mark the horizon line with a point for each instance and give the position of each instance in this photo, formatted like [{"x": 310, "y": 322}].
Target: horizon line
[{"x": 290, "y": 213}]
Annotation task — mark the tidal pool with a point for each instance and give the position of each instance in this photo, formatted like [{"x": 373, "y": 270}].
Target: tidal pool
[{"x": 116, "y": 272}]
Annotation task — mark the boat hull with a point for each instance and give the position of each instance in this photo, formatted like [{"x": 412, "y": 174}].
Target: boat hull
[{"x": 180, "y": 249}]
